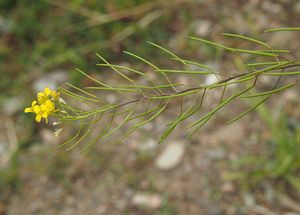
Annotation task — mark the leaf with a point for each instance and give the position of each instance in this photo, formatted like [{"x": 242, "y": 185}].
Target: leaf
[
  {"x": 184, "y": 71},
  {"x": 142, "y": 123},
  {"x": 246, "y": 38},
  {"x": 282, "y": 29},
  {"x": 270, "y": 92},
  {"x": 152, "y": 65},
  {"x": 248, "y": 111}
]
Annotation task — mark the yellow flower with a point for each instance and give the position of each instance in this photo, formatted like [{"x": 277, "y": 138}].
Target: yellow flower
[
  {"x": 48, "y": 106},
  {"x": 43, "y": 110},
  {"x": 40, "y": 112},
  {"x": 43, "y": 96},
  {"x": 44, "y": 106},
  {"x": 30, "y": 109},
  {"x": 47, "y": 94}
]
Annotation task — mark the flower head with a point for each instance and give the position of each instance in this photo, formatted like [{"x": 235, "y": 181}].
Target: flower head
[{"x": 44, "y": 106}]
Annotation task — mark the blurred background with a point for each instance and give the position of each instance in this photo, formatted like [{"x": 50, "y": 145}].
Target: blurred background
[{"x": 249, "y": 167}]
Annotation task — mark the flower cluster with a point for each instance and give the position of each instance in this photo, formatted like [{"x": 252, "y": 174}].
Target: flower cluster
[{"x": 45, "y": 104}]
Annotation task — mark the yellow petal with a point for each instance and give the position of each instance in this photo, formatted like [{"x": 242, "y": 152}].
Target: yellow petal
[
  {"x": 45, "y": 115},
  {"x": 28, "y": 110},
  {"x": 36, "y": 109},
  {"x": 47, "y": 91},
  {"x": 38, "y": 118},
  {"x": 33, "y": 103},
  {"x": 48, "y": 102},
  {"x": 41, "y": 98},
  {"x": 49, "y": 106},
  {"x": 43, "y": 107},
  {"x": 40, "y": 94}
]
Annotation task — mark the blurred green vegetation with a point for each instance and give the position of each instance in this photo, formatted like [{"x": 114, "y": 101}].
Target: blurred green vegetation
[
  {"x": 280, "y": 162},
  {"x": 283, "y": 161},
  {"x": 45, "y": 35}
]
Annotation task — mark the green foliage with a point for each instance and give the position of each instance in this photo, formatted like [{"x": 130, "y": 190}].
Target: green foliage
[
  {"x": 139, "y": 104},
  {"x": 281, "y": 161},
  {"x": 47, "y": 35},
  {"x": 284, "y": 161}
]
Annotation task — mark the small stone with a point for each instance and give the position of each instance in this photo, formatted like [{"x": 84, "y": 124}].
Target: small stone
[
  {"x": 5, "y": 25},
  {"x": 152, "y": 201},
  {"x": 271, "y": 7},
  {"x": 227, "y": 187},
  {"x": 216, "y": 154},
  {"x": 233, "y": 133},
  {"x": 266, "y": 80},
  {"x": 211, "y": 79},
  {"x": 291, "y": 96},
  {"x": 148, "y": 145},
  {"x": 249, "y": 200},
  {"x": 297, "y": 7},
  {"x": 111, "y": 98},
  {"x": 170, "y": 157},
  {"x": 101, "y": 209},
  {"x": 203, "y": 28},
  {"x": 270, "y": 194}
]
